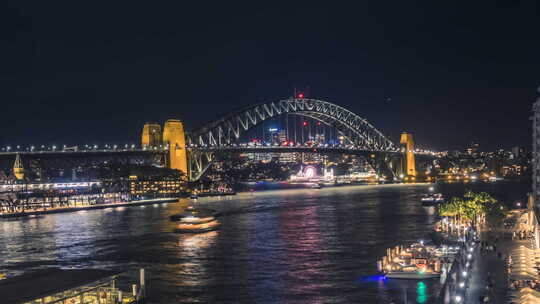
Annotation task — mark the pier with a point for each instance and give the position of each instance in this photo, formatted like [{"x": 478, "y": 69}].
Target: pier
[{"x": 73, "y": 286}]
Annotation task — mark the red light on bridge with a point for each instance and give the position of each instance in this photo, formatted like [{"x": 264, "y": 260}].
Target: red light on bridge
[
  {"x": 318, "y": 123},
  {"x": 304, "y": 123},
  {"x": 300, "y": 95}
]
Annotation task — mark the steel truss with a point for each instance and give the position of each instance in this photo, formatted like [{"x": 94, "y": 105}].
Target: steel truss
[{"x": 226, "y": 131}]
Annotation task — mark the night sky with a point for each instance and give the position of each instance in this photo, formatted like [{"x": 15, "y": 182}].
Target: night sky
[{"x": 449, "y": 71}]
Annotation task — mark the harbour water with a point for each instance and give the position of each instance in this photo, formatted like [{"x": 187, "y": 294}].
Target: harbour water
[{"x": 291, "y": 246}]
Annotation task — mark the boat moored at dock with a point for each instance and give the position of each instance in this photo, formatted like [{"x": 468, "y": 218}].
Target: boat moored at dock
[{"x": 416, "y": 262}]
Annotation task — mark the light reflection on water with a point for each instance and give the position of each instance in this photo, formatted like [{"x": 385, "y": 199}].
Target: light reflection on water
[{"x": 295, "y": 246}]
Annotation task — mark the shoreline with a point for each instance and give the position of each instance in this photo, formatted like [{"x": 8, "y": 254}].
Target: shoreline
[
  {"x": 92, "y": 207},
  {"x": 210, "y": 199}
]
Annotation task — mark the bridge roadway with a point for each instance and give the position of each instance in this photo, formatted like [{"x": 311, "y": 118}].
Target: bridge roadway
[
  {"x": 232, "y": 148},
  {"x": 81, "y": 153}
]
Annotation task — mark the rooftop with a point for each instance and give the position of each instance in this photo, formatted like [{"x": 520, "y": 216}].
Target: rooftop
[{"x": 46, "y": 282}]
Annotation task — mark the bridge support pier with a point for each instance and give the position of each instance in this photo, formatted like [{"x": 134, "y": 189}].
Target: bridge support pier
[
  {"x": 383, "y": 164},
  {"x": 409, "y": 165},
  {"x": 199, "y": 162},
  {"x": 174, "y": 136}
]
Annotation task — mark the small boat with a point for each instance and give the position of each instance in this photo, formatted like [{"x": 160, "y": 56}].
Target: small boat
[
  {"x": 216, "y": 193},
  {"x": 412, "y": 275},
  {"x": 432, "y": 199},
  {"x": 194, "y": 196},
  {"x": 196, "y": 220},
  {"x": 178, "y": 216}
]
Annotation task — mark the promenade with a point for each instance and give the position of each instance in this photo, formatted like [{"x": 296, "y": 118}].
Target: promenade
[{"x": 490, "y": 272}]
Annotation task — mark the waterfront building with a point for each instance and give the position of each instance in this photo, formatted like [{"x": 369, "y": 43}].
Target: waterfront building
[
  {"x": 534, "y": 202},
  {"x": 62, "y": 286},
  {"x": 155, "y": 187},
  {"x": 29, "y": 196},
  {"x": 536, "y": 151}
]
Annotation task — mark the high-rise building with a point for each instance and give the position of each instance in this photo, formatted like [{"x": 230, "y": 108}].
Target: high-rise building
[
  {"x": 534, "y": 199},
  {"x": 282, "y": 134},
  {"x": 518, "y": 152},
  {"x": 536, "y": 150}
]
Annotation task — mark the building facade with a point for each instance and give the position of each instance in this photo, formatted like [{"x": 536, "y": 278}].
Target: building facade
[
  {"x": 152, "y": 188},
  {"x": 536, "y": 151}
]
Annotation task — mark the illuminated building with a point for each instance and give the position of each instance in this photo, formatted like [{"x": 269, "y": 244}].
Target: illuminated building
[
  {"x": 22, "y": 197},
  {"x": 18, "y": 169},
  {"x": 518, "y": 152},
  {"x": 161, "y": 187},
  {"x": 282, "y": 134},
  {"x": 174, "y": 137},
  {"x": 273, "y": 136},
  {"x": 536, "y": 150},
  {"x": 473, "y": 149},
  {"x": 292, "y": 157},
  {"x": 409, "y": 165},
  {"x": 151, "y": 135}
]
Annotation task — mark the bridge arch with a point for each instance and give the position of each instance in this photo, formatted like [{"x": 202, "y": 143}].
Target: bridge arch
[{"x": 230, "y": 128}]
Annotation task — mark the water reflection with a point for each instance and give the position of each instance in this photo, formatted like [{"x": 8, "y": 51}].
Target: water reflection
[
  {"x": 194, "y": 243},
  {"x": 191, "y": 266},
  {"x": 302, "y": 246}
]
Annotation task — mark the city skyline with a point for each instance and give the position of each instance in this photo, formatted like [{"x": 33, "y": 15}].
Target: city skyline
[{"x": 435, "y": 70}]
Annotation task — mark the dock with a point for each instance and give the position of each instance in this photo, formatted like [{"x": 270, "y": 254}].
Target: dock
[{"x": 71, "y": 286}]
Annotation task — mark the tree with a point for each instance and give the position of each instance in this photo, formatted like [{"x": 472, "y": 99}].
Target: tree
[{"x": 471, "y": 206}]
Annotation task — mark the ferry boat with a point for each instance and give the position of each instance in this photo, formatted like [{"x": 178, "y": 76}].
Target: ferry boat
[
  {"x": 412, "y": 275},
  {"x": 216, "y": 193},
  {"x": 196, "y": 220}
]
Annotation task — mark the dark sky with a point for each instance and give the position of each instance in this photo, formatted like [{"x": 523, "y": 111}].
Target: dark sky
[{"x": 454, "y": 71}]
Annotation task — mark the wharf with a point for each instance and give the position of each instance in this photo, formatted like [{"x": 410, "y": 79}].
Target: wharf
[
  {"x": 89, "y": 207},
  {"x": 77, "y": 286}
]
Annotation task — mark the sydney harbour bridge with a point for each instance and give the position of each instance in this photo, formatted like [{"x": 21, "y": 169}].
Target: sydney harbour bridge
[{"x": 293, "y": 125}]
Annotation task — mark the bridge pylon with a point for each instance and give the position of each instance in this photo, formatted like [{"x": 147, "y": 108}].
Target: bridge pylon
[
  {"x": 151, "y": 135},
  {"x": 409, "y": 164},
  {"x": 18, "y": 169},
  {"x": 174, "y": 136}
]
